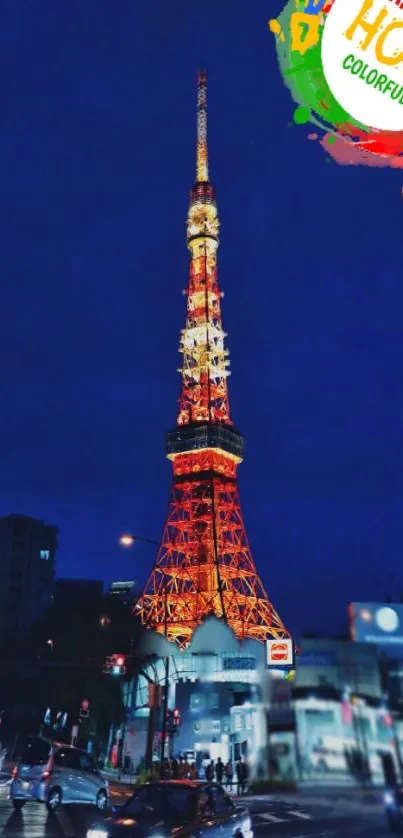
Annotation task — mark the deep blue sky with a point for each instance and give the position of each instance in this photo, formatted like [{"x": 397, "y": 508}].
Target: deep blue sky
[{"x": 97, "y": 149}]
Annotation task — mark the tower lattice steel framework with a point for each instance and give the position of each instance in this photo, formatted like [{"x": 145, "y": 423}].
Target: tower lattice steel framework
[{"x": 204, "y": 563}]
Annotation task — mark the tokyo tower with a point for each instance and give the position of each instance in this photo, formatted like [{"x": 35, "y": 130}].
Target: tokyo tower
[{"x": 204, "y": 564}]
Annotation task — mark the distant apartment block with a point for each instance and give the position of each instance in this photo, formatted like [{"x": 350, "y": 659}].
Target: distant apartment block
[
  {"x": 125, "y": 591},
  {"x": 27, "y": 571}
]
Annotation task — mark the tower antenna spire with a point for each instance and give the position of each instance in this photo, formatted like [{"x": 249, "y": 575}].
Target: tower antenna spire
[{"x": 202, "y": 175}]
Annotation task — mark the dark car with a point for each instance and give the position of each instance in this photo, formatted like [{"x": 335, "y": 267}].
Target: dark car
[
  {"x": 177, "y": 807},
  {"x": 393, "y": 800}
]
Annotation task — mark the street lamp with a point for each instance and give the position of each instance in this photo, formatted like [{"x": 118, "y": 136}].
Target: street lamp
[
  {"x": 50, "y": 644},
  {"x": 127, "y": 540},
  {"x": 105, "y": 622}
]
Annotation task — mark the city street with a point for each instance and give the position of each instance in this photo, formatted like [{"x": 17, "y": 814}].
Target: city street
[{"x": 291, "y": 816}]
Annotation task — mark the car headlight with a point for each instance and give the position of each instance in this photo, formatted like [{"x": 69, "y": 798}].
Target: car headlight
[
  {"x": 389, "y": 799},
  {"x": 97, "y": 832}
]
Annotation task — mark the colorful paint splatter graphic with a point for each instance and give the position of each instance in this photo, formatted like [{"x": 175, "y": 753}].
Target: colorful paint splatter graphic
[{"x": 298, "y": 32}]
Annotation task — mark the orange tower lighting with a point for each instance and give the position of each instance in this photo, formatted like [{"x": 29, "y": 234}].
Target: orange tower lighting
[{"x": 204, "y": 564}]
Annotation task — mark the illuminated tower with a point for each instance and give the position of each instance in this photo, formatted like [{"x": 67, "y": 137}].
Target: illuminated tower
[{"x": 204, "y": 564}]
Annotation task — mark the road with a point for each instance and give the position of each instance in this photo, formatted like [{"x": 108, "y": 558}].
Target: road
[
  {"x": 297, "y": 817},
  {"x": 288, "y": 817}
]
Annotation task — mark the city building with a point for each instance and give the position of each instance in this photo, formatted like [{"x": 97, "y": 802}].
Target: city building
[
  {"x": 218, "y": 688},
  {"x": 125, "y": 591},
  {"x": 333, "y": 722},
  {"x": 27, "y": 571},
  {"x": 78, "y": 594}
]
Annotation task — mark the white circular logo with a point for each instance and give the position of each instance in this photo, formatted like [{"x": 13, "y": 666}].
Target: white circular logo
[
  {"x": 387, "y": 619},
  {"x": 362, "y": 59}
]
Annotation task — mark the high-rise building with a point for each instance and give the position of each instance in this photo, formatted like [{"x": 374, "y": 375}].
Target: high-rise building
[
  {"x": 76, "y": 594},
  {"x": 27, "y": 571},
  {"x": 124, "y": 591},
  {"x": 204, "y": 564}
]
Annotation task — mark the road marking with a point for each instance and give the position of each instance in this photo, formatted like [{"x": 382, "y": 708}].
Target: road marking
[
  {"x": 317, "y": 835},
  {"x": 272, "y": 818},
  {"x": 298, "y": 814}
]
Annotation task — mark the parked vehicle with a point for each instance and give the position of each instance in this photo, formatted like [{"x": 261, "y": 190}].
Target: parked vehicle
[
  {"x": 393, "y": 801},
  {"x": 53, "y": 773},
  {"x": 184, "y": 807}
]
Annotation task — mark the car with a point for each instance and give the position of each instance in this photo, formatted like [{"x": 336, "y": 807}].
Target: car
[
  {"x": 393, "y": 801},
  {"x": 54, "y": 773},
  {"x": 181, "y": 808}
]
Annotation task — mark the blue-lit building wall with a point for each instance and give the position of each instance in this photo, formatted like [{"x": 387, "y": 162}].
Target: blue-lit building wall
[
  {"x": 205, "y": 709},
  {"x": 214, "y": 675}
]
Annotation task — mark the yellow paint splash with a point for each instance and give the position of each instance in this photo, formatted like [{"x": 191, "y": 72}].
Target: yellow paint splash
[
  {"x": 275, "y": 27},
  {"x": 304, "y": 31}
]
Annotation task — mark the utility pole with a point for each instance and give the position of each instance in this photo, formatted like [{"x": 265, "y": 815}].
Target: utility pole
[
  {"x": 166, "y": 687},
  {"x": 127, "y": 705}
]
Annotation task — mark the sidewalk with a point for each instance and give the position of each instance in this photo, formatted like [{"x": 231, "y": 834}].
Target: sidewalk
[
  {"x": 118, "y": 776},
  {"x": 121, "y": 785},
  {"x": 347, "y": 798}
]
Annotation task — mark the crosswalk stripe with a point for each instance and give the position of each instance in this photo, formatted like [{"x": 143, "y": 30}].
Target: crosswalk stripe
[
  {"x": 298, "y": 814},
  {"x": 271, "y": 818}
]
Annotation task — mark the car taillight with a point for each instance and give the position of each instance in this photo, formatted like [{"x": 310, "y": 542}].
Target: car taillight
[
  {"x": 14, "y": 772},
  {"x": 45, "y": 775}
]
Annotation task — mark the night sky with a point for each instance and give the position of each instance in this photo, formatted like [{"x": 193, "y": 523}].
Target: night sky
[{"x": 97, "y": 156}]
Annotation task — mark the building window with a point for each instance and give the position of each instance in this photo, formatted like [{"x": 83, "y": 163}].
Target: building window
[
  {"x": 214, "y": 701},
  {"x": 216, "y": 726},
  {"x": 197, "y": 702},
  {"x": 44, "y": 554}
]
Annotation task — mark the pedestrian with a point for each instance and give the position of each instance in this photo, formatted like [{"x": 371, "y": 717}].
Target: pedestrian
[
  {"x": 219, "y": 770},
  {"x": 210, "y": 772},
  {"x": 240, "y": 773},
  {"x": 228, "y": 774},
  {"x": 175, "y": 768},
  {"x": 245, "y": 771},
  {"x": 193, "y": 771}
]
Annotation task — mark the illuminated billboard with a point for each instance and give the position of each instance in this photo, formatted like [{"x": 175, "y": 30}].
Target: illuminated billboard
[{"x": 379, "y": 623}]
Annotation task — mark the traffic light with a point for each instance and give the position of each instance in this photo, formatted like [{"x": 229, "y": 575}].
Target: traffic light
[
  {"x": 115, "y": 665},
  {"x": 173, "y": 720}
]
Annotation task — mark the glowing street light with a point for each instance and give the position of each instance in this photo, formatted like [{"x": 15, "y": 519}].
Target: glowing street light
[
  {"x": 127, "y": 540},
  {"x": 50, "y": 644},
  {"x": 105, "y": 621}
]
